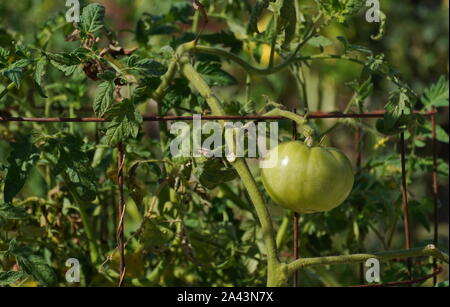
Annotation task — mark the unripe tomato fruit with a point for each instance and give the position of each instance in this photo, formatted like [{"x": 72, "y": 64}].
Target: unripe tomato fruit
[{"x": 307, "y": 179}]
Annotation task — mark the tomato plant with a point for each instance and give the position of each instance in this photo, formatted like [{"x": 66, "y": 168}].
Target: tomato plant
[{"x": 207, "y": 221}]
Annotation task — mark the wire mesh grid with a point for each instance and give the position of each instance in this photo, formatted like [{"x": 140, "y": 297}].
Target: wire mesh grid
[{"x": 430, "y": 115}]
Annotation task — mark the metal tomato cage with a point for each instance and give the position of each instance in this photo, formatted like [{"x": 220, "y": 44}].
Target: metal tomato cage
[{"x": 430, "y": 115}]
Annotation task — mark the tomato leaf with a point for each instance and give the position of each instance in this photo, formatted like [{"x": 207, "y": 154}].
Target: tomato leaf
[
  {"x": 8, "y": 278},
  {"x": 4, "y": 56},
  {"x": 125, "y": 122},
  {"x": 226, "y": 39},
  {"x": 319, "y": 41},
  {"x": 176, "y": 95},
  {"x": 66, "y": 153},
  {"x": 145, "y": 67},
  {"x": 92, "y": 19},
  {"x": 39, "y": 73},
  {"x": 104, "y": 98},
  {"x": 436, "y": 95},
  {"x": 21, "y": 159},
  {"x": 398, "y": 114},
  {"x": 33, "y": 264},
  {"x": 213, "y": 173},
  {"x": 64, "y": 61},
  {"x": 214, "y": 75},
  {"x": 9, "y": 212}
]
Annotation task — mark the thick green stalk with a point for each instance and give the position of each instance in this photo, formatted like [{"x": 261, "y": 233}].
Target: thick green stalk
[
  {"x": 282, "y": 231},
  {"x": 93, "y": 246},
  {"x": 276, "y": 270},
  {"x": 429, "y": 250}
]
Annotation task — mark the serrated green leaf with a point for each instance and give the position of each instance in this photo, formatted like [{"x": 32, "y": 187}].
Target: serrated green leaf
[
  {"x": 176, "y": 94},
  {"x": 340, "y": 10},
  {"x": 437, "y": 94},
  {"x": 4, "y": 55},
  {"x": 21, "y": 159},
  {"x": 156, "y": 235},
  {"x": 319, "y": 41},
  {"x": 398, "y": 114},
  {"x": 15, "y": 74},
  {"x": 103, "y": 98},
  {"x": 362, "y": 90},
  {"x": 214, "y": 75},
  {"x": 38, "y": 268},
  {"x": 65, "y": 62},
  {"x": 107, "y": 76},
  {"x": 8, "y": 278},
  {"x": 33, "y": 264},
  {"x": 22, "y": 50},
  {"x": 9, "y": 212},
  {"x": 226, "y": 39},
  {"x": 92, "y": 18},
  {"x": 145, "y": 67},
  {"x": 40, "y": 70},
  {"x": 66, "y": 152},
  {"x": 125, "y": 122},
  {"x": 213, "y": 173},
  {"x": 39, "y": 73}
]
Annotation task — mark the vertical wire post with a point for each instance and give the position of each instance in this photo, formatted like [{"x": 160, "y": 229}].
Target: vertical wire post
[
  {"x": 405, "y": 202},
  {"x": 296, "y": 235},
  {"x": 120, "y": 230},
  {"x": 435, "y": 190},
  {"x": 358, "y": 167}
]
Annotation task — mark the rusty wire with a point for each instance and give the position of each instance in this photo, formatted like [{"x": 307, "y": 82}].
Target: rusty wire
[
  {"x": 405, "y": 282},
  {"x": 121, "y": 226},
  {"x": 435, "y": 189},
  {"x": 405, "y": 201},
  {"x": 358, "y": 139},
  {"x": 314, "y": 115},
  {"x": 296, "y": 216}
]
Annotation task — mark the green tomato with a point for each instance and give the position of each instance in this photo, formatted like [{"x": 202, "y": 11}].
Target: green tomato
[{"x": 307, "y": 179}]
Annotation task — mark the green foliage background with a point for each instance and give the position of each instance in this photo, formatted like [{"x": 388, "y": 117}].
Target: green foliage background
[{"x": 183, "y": 226}]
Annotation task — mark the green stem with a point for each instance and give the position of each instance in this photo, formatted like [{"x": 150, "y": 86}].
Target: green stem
[
  {"x": 427, "y": 251},
  {"x": 93, "y": 246},
  {"x": 341, "y": 120},
  {"x": 195, "y": 22},
  {"x": 274, "y": 41},
  {"x": 300, "y": 120},
  {"x": 282, "y": 231},
  {"x": 7, "y": 89},
  {"x": 276, "y": 269}
]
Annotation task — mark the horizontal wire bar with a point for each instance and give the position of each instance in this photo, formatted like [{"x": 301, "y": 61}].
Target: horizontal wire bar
[
  {"x": 405, "y": 282},
  {"x": 374, "y": 114}
]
